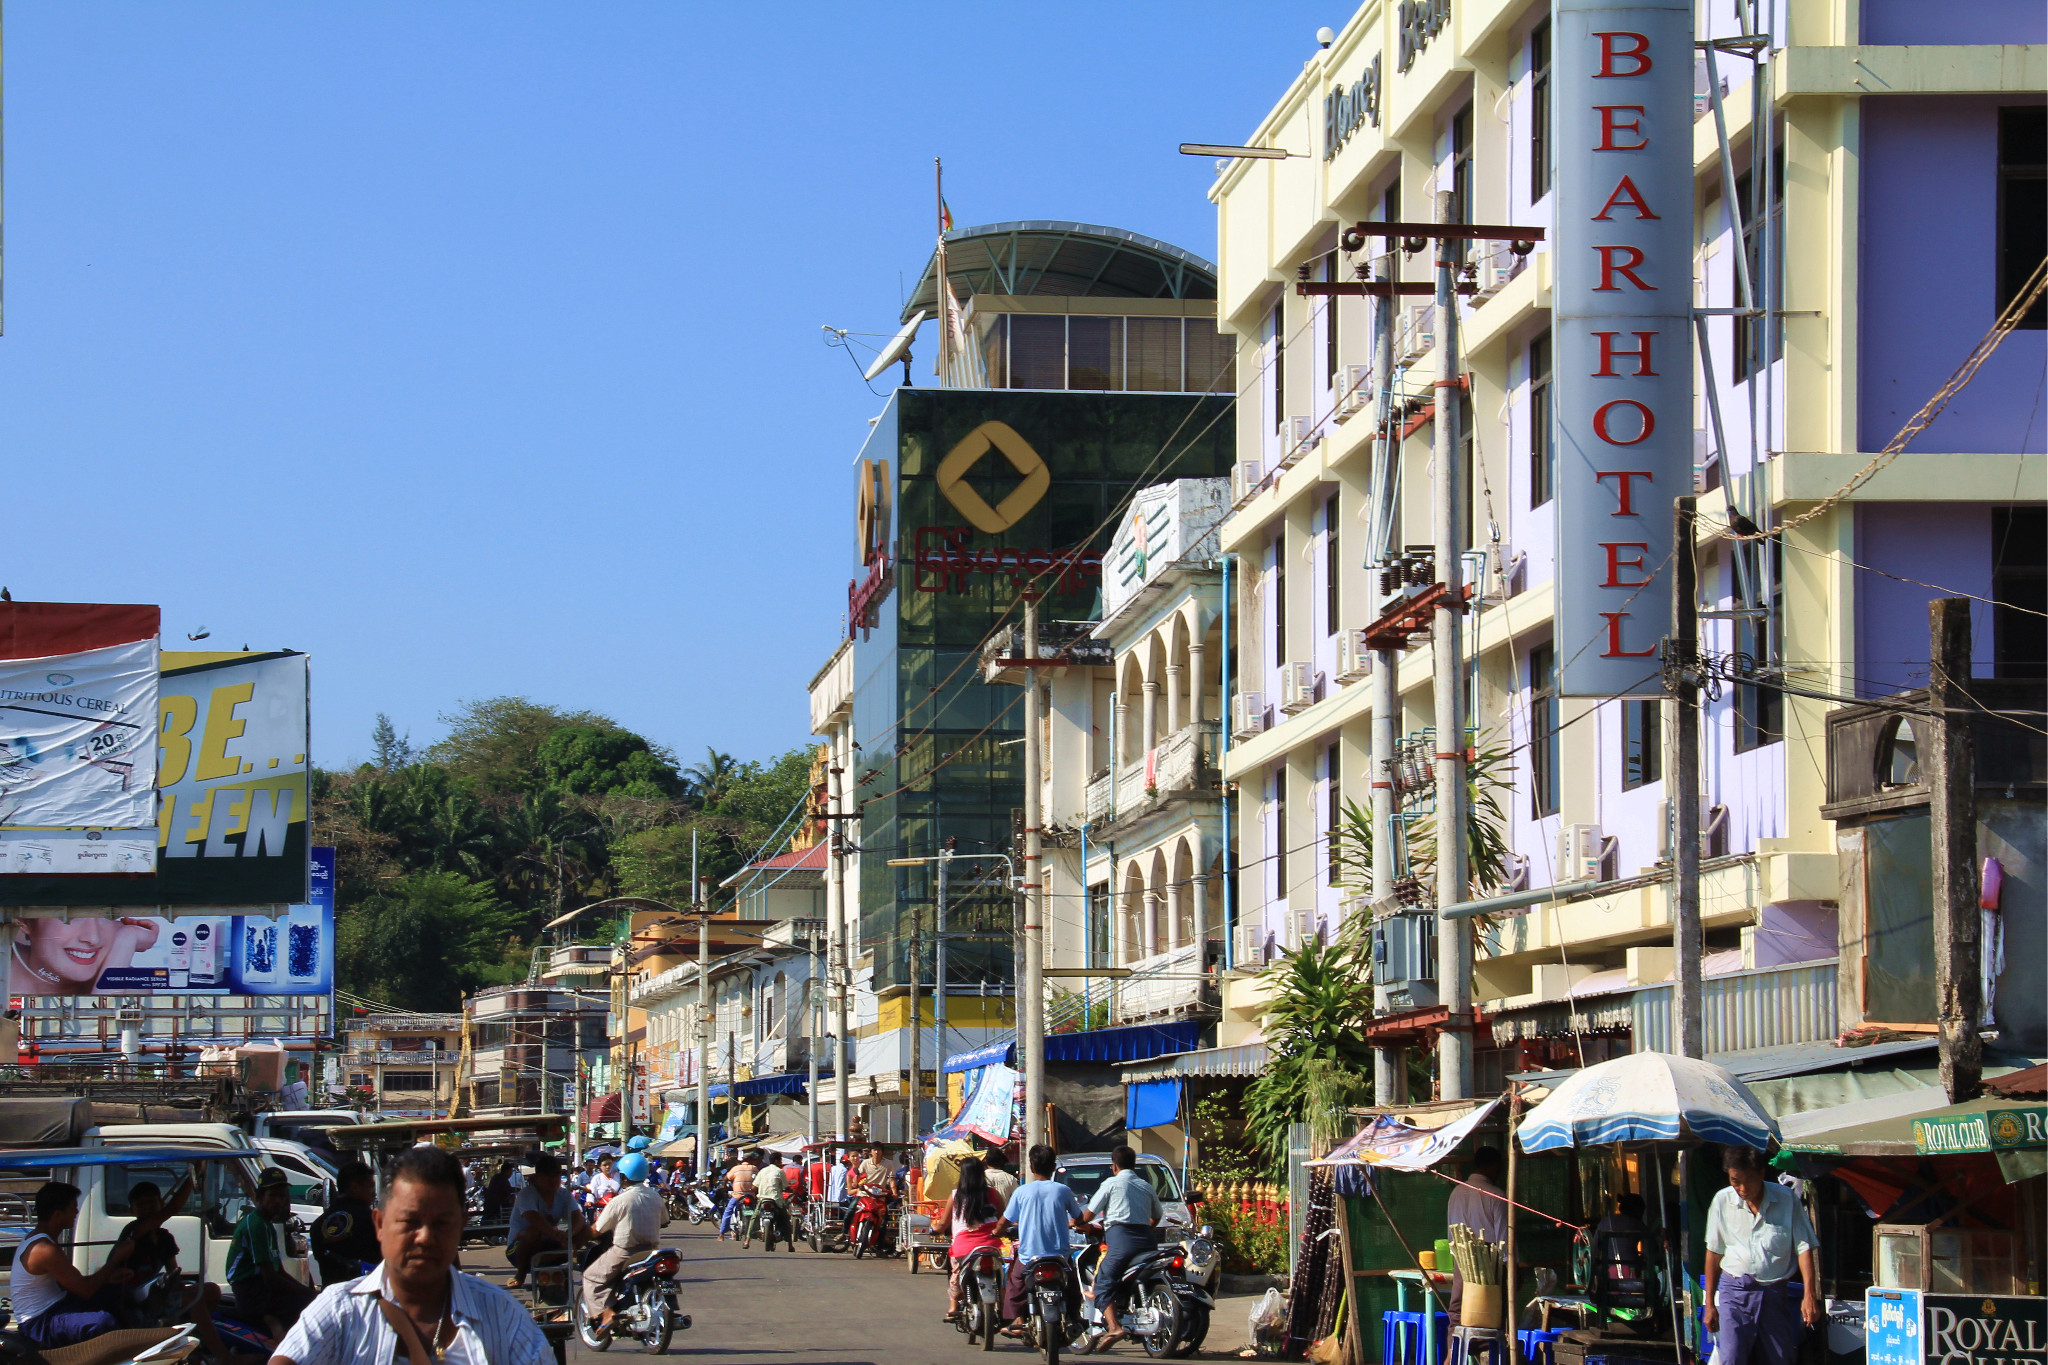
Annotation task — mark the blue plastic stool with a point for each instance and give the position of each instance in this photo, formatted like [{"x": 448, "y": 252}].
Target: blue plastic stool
[
  {"x": 1536, "y": 1342},
  {"x": 1398, "y": 1329},
  {"x": 1469, "y": 1344}
]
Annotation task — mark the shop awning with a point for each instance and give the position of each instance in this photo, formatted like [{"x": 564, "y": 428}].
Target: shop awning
[
  {"x": 994, "y": 1054},
  {"x": 1909, "y": 1125},
  {"x": 1133, "y": 1043},
  {"x": 602, "y": 1109},
  {"x": 1152, "y": 1104},
  {"x": 788, "y": 1083},
  {"x": 1245, "y": 1059}
]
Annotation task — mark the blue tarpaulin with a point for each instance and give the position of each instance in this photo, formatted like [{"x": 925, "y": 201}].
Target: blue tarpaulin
[
  {"x": 788, "y": 1083},
  {"x": 1149, "y": 1104},
  {"x": 1131, "y": 1044}
]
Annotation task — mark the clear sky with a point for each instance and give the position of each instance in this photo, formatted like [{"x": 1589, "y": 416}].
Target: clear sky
[{"x": 475, "y": 349}]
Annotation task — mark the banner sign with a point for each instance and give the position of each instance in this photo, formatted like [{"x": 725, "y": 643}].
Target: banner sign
[
  {"x": 1912, "y": 1327},
  {"x": 78, "y": 705},
  {"x": 1994, "y": 1130},
  {"x": 988, "y": 1111},
  {"x": 191, "y": 954},
  {"x": 230, "y": 766},
  {"x": 1622, "y": 324}
]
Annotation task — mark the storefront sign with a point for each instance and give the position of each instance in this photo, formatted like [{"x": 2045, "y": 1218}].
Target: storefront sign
[
  {"x": 1971, "y": 1329},
  {"x": 1891, "y": 1327},
  {"x": 1417, "y": 22},
  {"x": 946, "y": 559},
  {"x": 1996, "y": 1130},
  {"x": 1348, "y": 107},
  {"x": 1623, "y": 328}
]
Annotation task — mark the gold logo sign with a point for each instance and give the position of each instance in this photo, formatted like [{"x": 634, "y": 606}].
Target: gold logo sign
[
  {"x": 953, "y": 471},
  {"x": 872, "y": 519}
]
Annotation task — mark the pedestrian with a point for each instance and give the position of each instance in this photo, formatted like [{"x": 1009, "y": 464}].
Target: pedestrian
[
  {"x": 498, "y": 1194},
  {"x": 55, "y": 1305},
  {"x": 1481, "y": 1205},
  {"x": 1757, "y": 1235},
  {"x": 1130, "y": 1211},
  {"x": 345, "y": 1238},
  {"x": 1040, "y": 1212},
  {"x": 416, "y": 1296}
]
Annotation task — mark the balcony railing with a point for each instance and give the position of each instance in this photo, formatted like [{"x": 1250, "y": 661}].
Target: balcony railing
[
  {"x": 1165, "y": 983},
  {"x": 1183, "y": 764}
]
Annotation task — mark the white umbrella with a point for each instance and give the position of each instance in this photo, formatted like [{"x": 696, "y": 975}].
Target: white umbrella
[{"x": 1648, "y": 1097}]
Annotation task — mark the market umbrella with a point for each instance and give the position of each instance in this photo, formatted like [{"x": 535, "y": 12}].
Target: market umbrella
[{"x": 1648, "y": 1097}]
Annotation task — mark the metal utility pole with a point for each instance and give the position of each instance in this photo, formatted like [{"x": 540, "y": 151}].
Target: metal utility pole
[
  {"x": 1389, "y": 1069},
  {"x": 1030, "y": 981},
  {"x": 1454, "y": 937},
  {"x": 939, "y": 980},
  {"x": 1687, "y": 993},
  {"x": 835, "y": 965},
  {"x": 1952, "y": 806}
]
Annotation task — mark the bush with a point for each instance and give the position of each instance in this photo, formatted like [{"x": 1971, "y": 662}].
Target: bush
[{"x": 1249, "y": 1245}]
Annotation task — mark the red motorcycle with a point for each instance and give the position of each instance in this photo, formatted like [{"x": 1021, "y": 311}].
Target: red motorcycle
[{"x": 872, "y": 1231}]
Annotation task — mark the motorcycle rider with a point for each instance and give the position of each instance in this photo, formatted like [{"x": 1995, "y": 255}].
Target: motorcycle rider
[
  {"x": 1130, "y": 1211},
  {"x": 633, "y": 1219},
  {"x": 345, "y": 1238},
  {"x": 606, "y": 1182},
  {"x": 543, "y": 1217},
  {"x": 876, "y": 1176},
  {"x": 740, "y": 1179},
  {"x": 1040, "y": 1212},
  {"x": 771, "y": 1183}
]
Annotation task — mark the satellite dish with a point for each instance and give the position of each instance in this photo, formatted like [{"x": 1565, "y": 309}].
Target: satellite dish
[{"x": 898, "y": 347}]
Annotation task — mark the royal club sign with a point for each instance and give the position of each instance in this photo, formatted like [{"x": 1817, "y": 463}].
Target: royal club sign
[{"x": 1623, "y": 333}]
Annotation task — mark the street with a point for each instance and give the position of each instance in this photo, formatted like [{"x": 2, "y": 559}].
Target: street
[{"x": 779, "y": 1308}]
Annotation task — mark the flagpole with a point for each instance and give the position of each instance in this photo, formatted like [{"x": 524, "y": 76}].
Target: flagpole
[{"x": 943, "y": 300}]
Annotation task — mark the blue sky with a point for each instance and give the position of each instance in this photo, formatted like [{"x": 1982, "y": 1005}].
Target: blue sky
[{"x": 475, "y": 349}]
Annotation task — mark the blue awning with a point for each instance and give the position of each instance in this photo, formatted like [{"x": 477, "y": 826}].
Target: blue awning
[
  {"x": 995, "y": 1054},
  {"x": 1133, "y": 1043},
  {"x": 1149, "y": 1104},
  {"x": 788, "y": 1083}
]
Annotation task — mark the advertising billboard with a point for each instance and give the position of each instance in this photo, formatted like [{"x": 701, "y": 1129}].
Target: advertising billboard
[
  {"x": 1623, "y": 326},
  {"x": 231, "y": 770},
  {"x": 78, "y": 705},
  {"x": 192, "y": 953}
]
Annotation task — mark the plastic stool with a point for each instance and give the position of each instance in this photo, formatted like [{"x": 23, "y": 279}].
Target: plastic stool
[
  {"x": 1398, "y": 1330},
  {"x": 1536, "y": 1342},
  {"x": 1469, "y": 1343}
]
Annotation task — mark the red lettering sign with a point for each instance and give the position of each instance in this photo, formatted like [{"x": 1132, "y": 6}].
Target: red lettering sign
[
  {"x": 1625, "y": 193},
  {"x": 1609, "y": 353},
  {"x": 1614, "y": 649},
  {"x": 1628, "y": 506},
  {"x": 1638, "y": 51},
  {"x": 1616, "y": 562},
  {"x": 1614, "y": 262},
  {"x": 1601, "y": 421},
  {"x": 1610, "y": 125}
]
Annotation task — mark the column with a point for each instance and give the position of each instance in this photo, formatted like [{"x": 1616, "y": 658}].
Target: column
[
  {"x": 1120, "y": 752},
  {"x": 1148, "y": 734},
  {"x": 1174, "y": 697},
  {"x": 1151, "y": 943},
  {"x": 1175, "y": 898},
  {"x": 1195, "y": 683}
]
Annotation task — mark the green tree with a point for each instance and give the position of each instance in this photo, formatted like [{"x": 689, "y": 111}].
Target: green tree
[
  {"x": 497, "y": 742},
  {"x": 592, "y": 762},
  {"x": 1314, "y": 1029},
  {"x": 426, "y": 939},
  {"x": 394, "y": 751},
  {"x": 711, "y": 778}
]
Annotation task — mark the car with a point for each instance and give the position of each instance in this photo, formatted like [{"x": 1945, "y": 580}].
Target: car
[{"x": 1084, "y": 1172}]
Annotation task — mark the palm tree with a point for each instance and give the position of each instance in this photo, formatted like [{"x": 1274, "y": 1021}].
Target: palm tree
[{"x": 713, "y": 777}]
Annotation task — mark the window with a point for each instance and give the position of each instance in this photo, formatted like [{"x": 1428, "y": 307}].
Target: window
[
  {"x": 1279, "y": 599},
  {"x": 1468, "y": 470},
  {"x": 1332, "y": 565},
  {"x": 1153, "y": 354},
  {"x": 1751, "y": 339},
  {"x": 1461, "y": 175},
  {"x": 2019, "y": 584},
  {"x": 1539, "y": 111},
  {"x": 1543, "y": 727},
  {"x": 1212, "y": 358},
  {"x": 1279, "y": 367},
  {"x": 1335, "y": 769},
  {"x": 1642, "y": 743},
  {"x": 1760, "y": 711},
  {"x": 409, "y": 1080},
  {"x": 1280, "y": 830},
  {"x": 1542, "y": 450},
  {"x": 2022, "y": 206},
  {"x": 1095, "y": 353},
  {"x": 1038, "y": 352},
  {"x": 1330, "y": 325},
  {"x": 1098, "y": 925}
]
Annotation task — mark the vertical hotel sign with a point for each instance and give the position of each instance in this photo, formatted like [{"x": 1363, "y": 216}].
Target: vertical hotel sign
[{"x": 1623, "y": 329}]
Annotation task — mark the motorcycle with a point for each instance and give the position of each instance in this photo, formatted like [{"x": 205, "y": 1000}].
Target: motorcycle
[
  {"x": 643, "y": 1305},
  {"x": 873, "y": 1231},
  {"x": 1193, "y": 1266},
  {"x": 769, "y": 1217},
  {"x": 1148, "y": 1306},
  {"x": 981, "y": 1298},
  {"x": 704, "y": 1199},
  {"x": 1051, "y": 1288}
]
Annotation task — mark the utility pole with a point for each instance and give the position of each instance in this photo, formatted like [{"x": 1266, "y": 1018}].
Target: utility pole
[
  {"x": 939, "y": 980},
  {"x": 916, "y": 1018},
  {"x": 1030, "y": 981},
  {"x": 1389, "y": 1068},
  {"x": 1952, "y": 807},
  {"x": 835, "y": 966},
  {"x": 814, "y": 1015},
  {"x": 1687, "y": 993},
  {"x": 1454, "y": 937},
  {"x": 703, "y": 1015}
]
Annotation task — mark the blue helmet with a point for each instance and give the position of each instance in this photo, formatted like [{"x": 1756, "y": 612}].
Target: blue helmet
[
  {"x": 636, "y": 1143},
  {"x": 633, "y": 1169}
]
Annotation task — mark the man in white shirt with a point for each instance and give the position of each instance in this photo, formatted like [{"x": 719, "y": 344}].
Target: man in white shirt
[
  {"x": 416, "y": 1295},
  {"x": 634, "y": 1221},
  {"x": 1758, "y": 1235},
  {"x": 835, "y": 1179},
  {"x": 544, "y": 1218},
  {"x": 1481, "y": 1205}
]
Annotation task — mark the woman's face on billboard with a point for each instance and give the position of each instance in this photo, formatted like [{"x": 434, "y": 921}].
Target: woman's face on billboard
[{"x": 68, "y": 955}]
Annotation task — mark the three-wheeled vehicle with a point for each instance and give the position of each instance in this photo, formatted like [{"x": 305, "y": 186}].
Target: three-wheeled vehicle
[{"x": 224, "y": 1189}]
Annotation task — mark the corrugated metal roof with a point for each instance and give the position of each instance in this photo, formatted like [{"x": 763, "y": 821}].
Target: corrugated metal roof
[
  {"x": 1766, "y": 1063},
  {"x": 1245, "y": 1059}
]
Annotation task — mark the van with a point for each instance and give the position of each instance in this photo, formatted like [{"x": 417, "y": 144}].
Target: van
[{"x": 207, "y": 1224}]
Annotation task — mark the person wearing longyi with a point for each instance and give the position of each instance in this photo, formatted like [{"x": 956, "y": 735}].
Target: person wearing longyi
[{"x": 1757, "y": 1235}]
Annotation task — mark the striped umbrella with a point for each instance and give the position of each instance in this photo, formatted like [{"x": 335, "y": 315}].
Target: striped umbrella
[{"x": 1648, "y": 1097}]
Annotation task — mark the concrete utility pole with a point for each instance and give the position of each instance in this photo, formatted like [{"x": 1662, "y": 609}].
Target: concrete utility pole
[
  {"x": 1388, "y": 1068},
  {"x": 704, "y": 1018},
  {"x": 1687, "y": 993},
  {"x": 814, "y": 1018},
  {"x": 1958, "y": 894},
  {"x": 1030, "y": 980},
  {"x": 1454, "y": 937},
  {"x": 835, "y": 927},
  {"x": 916, "y": 1020},
  {"x": 939, "y": 981}
]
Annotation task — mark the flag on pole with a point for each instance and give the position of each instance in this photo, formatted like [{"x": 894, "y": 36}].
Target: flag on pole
[{"x": 945, "y": 215}]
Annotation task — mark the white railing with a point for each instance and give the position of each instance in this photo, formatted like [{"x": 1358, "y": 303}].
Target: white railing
[
  {"x": 1163, "y": 983},
  {"x": 1101, "y": 798}
]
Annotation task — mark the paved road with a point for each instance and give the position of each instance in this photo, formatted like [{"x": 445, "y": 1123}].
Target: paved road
[{"x": 797, "y": 1308}]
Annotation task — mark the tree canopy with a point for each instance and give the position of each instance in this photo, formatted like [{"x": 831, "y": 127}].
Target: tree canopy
[{"x": 451, "y": 859}]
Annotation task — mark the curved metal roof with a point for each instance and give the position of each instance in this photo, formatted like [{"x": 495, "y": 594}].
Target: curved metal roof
[{"x": 1064, "y": 260}]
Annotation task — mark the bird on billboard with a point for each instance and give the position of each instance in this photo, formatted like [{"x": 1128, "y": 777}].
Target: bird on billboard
[{"x": 6, "y": 596}]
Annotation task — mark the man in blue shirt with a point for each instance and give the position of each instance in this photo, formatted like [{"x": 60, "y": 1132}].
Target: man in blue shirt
[
  {"x": 1130, "y": 1210},
  {"x": 1041, "y": 1210}
]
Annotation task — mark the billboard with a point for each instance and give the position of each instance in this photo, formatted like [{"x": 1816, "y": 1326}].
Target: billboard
[
  {"x": 1623, "y": 327},
  {"x": 231, "y": 772},
  {"x": 193, "y": 953},
  {"x": 78, "y": 706}
]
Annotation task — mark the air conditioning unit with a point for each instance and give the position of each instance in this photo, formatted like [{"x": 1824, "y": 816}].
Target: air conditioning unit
[
  {"x": 1301, "y": 926},
  {"x": 1248, "y": 945},
  {"x": 1495, "y": 586},
  {"x": 1297, "y": 687},
  {"x": 1418, "y": 331},
  {"x": 1244, "y": 480},
  {"x": 1357, "y": 392},
  {"x": 1496, "y": 270},
  {"x": 1247, "y": 715},
  {"x": 1667, "y": 828},
  {"x": 1354, "y": 657},
  {"x": 1578, "y": 853},
  {"x": 1300, "y": 437}
]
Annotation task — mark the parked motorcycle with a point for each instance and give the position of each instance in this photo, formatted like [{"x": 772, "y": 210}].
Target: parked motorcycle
[
  {"x": 1193, "y": 1265},
  {"x": 873, "y": 1232},
  {"x": 702, "y": 1200},
  {"x": 643, "y": 1305},
  {"x": 981, "y": 1298}
]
